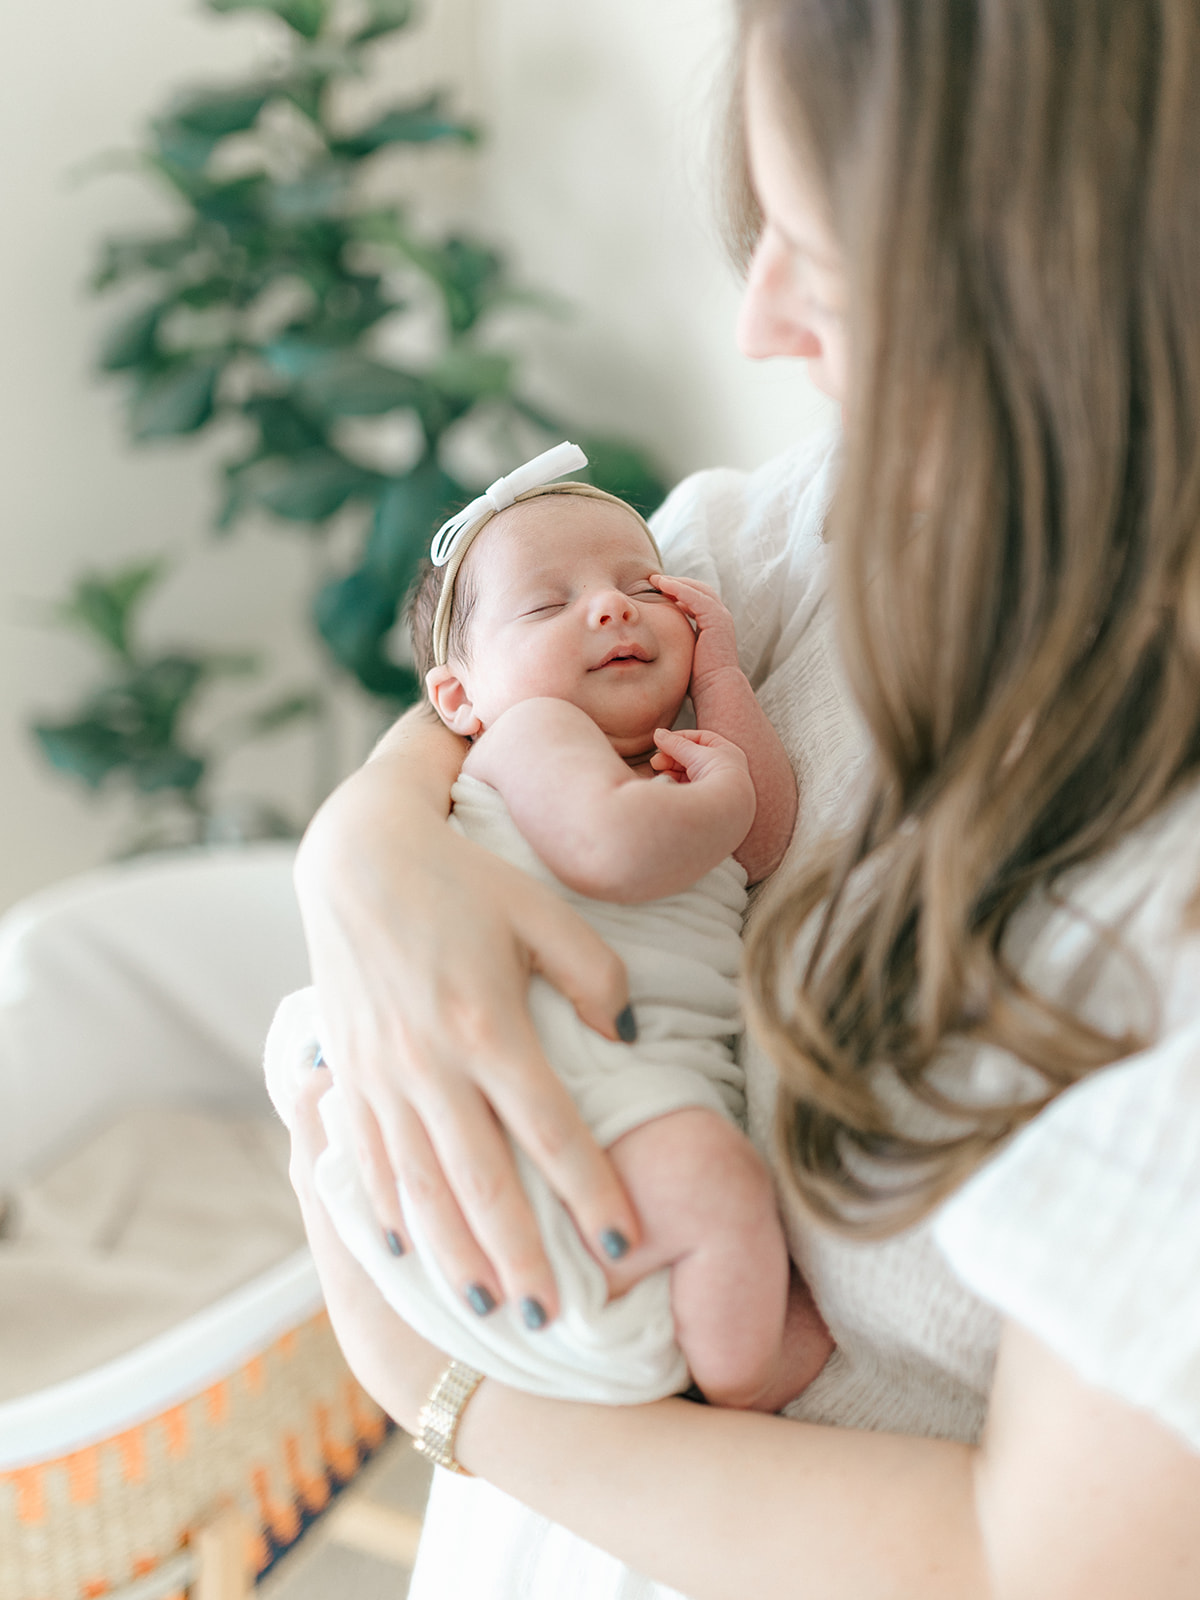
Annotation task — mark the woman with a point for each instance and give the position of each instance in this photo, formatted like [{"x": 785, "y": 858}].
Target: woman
[{"x": 979, "y": 222}]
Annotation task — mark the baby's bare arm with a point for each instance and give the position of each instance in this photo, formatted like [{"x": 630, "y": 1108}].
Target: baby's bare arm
[
  {"x": 598, "y": 827},
  {"x": 725, "y": 703}
]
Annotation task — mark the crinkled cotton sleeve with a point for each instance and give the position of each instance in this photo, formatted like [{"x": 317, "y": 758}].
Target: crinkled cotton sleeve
[
  {"x": 757, "y": 537},
  {"x": 1086, "y": 1228}
]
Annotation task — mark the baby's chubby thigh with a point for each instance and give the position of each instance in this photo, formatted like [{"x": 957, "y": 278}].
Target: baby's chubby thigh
[{"x": 708, "y": 1213}]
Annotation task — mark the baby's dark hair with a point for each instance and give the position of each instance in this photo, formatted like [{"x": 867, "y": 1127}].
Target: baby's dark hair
[{"x": 420, "y": 608}]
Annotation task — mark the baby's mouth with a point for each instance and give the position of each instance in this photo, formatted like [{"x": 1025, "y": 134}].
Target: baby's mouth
[{"x": 622, "y": 653}]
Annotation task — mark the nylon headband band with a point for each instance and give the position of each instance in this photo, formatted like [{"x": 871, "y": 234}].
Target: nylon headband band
[{"x": 464, "y": 540}]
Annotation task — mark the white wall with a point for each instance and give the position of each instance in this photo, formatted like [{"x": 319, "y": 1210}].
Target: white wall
[{"x": 596, "y": 178}]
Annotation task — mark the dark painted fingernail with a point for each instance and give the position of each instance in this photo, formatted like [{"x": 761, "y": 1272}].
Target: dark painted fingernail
[
  {"x": 533, "y": 1313},
  {"x": 479, "y": 1300},
  {"x": 627, "y": 1026},
  {"x": 319, "y": 1059},
  {"x": 614, "y": 1243},
  {"x": 394, "y": 1242}
]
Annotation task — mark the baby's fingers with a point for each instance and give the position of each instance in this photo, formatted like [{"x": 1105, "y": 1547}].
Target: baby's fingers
[{"x": 696, "y": 598}]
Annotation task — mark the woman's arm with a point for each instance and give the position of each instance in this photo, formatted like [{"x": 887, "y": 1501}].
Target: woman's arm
[
  {"x": 1072, "y": 1495},
  {"x": 422, "y": 945}
]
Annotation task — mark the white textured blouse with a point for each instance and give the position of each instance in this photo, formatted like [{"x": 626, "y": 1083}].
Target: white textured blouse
[{"x": 1085, "y": 1228}]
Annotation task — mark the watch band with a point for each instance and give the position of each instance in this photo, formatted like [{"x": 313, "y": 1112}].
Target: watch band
[{"x": 441, "y": 1414}]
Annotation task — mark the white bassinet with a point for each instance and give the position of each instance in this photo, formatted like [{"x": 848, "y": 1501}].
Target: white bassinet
[{"x": 152, "y": 984}]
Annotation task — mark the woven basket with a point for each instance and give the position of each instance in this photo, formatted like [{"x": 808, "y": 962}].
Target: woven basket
[{"x": 276, "y": 1438}]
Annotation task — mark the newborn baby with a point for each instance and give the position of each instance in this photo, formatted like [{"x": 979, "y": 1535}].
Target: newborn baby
[{"x": 552, "y": 642}]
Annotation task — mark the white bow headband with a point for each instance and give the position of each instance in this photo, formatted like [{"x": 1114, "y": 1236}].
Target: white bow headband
[{"x": 455, "y": 537}]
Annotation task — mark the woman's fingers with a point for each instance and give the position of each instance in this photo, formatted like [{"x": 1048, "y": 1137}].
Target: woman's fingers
[
  {"x": 377, "y": 1170},
  {"x": 443, "y": 1224},
  {"x": 572, "y": 956},
  {"x": 308, "y": 1136},
  {"x": 468, "y": 1143}
]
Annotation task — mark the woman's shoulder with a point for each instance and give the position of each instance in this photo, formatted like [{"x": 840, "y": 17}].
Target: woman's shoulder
[
  {"x": 724, "y": 509},
  {"x": 757, "y": 538}
]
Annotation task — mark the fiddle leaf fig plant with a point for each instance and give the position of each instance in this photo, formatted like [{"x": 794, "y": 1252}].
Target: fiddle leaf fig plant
[
  {"x": 280, "y": 298},
  {"x": 351, "y": 354}
]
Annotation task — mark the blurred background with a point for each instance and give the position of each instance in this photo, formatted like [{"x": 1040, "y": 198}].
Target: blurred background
[{"x": 572, "y": 149}]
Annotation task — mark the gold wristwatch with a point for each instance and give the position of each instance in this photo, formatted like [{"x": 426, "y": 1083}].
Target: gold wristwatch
[{"x": 442, "y": 1413}]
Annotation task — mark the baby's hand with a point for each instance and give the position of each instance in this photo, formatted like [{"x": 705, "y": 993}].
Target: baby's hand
[
  {"x": 689, "y": 755},
  {"x": 716, "y": 639}
]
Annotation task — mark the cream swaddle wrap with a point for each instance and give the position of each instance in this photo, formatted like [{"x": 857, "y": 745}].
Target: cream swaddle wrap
[{"x": 682, "y": 954}]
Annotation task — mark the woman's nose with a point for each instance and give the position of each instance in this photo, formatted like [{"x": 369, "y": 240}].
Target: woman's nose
[{"x": 771, "y": 321}]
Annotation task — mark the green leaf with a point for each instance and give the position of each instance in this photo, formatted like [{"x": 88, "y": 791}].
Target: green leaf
[
  {"x": 354, "y": 386},
  {"x": 196, "y": 122},
  {"x": 217, "y": 112},
  {"x": 312, "y": 487},
  {"x": 408, "y": 514},
  {"x": 321, "y": 193},
  {"x": 384, "y": 16},
  {"x": 130, "y": 725},
  {"x": 175, "y": 401},
  {"x": 468, "y": 374},
  {"x": 132, "y": 341},
  {"x": 306, "y": 90},
  {"x": 130, "y": 255},
  {"x": 235, "y": 204},
  {"x": 422, "y": 122},
  {"x": 354, "y": 616},
  {"x": 180, "y": 148},
  {"x": 296, "y": 357},
  {"x": 86, "y": 749},
  {"x": 280, "y": 713},
  {"x": 282, "y": 427},
  {"x": 166, "y": 769},
  {"x": 210, "y": 292},
  {"x": 306, "y": 17},
  {"x": 103, "y": 605}
]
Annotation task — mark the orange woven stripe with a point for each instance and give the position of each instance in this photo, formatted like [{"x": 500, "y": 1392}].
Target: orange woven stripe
[
  {"x": 312, "y": 1488},
  {"x": 83, "y": 1470},
  {"x": 95, "y": 1588},
  {"x": 260, "y": 1553},
  {"x": 132, "y": 1446},
  {"x": 175, "y": 1425},
  {"x": 142, "y": 1565},
  {"x": 31, "y": 1494},
  {"x": 280, "y": 1517},
  {"x": 342, "y": 1458},
  {"x": 287, "y": 1344},
  {"x": 252, "y": 1374},
  {"x": 216, "y": 1403}
]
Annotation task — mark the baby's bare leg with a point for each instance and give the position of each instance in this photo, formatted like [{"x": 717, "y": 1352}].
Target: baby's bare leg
[{"x": 708, "y": 1212}]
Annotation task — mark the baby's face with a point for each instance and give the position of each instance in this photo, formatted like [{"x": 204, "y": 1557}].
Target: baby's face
[{"x": 565, "y": 609}]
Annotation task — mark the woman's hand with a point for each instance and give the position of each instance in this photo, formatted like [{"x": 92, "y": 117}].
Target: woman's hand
[{"x": 422, "y": 945}]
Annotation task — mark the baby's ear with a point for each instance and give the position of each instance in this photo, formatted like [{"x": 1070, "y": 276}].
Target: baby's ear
[{"x": 448, "y": 696}]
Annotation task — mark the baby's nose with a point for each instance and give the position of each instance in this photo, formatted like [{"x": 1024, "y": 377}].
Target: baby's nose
[{"x": 612, "y": 606}]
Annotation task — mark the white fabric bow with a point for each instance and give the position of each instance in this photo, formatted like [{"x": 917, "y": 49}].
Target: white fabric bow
[{"x": 543, "y": 469}]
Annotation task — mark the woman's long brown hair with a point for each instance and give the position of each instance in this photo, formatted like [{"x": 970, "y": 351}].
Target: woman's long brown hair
[{"x": 1016, "y": 540}]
